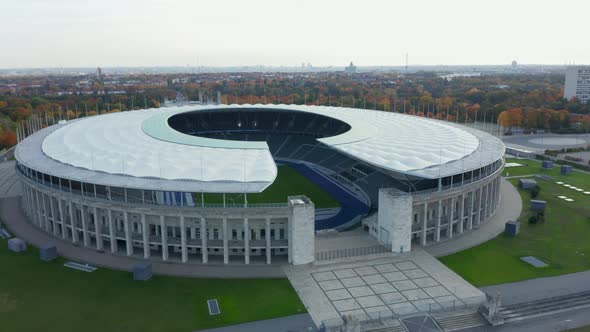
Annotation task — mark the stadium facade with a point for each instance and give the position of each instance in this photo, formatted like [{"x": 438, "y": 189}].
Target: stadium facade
[{"x": 135, "y": 183}]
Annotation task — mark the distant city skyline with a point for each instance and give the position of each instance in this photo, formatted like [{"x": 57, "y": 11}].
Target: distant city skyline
[{"x": 108, "y": 33}]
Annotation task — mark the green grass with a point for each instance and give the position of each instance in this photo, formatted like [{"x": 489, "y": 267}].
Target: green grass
[
  {"x": 289, "y": 182},
  {"x": 40, "y": 296},
  {"x": 562, "y": 240}
]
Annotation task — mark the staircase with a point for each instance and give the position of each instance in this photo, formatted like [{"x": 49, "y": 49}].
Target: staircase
[
  {"x": 460, "y": 322},
  {"x": 543, "y": 307},
  {"x": 398, "y": 328}
]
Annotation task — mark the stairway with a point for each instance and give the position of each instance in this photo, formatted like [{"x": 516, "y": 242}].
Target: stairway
[
  {"x": 398, "y": 328},
  {"x": 543, "y": 307},
  {"x": 460, "y": 322}
]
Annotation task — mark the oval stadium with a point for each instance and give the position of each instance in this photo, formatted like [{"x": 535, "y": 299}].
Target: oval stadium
[{"x": 242, "y": 184}]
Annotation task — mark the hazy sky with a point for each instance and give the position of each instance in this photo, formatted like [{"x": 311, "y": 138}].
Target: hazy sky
[{"x": 89, "y": 33}]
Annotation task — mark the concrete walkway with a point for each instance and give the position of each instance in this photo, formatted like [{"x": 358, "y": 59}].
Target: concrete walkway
[
  {"x": 17, "y": 222},
  {"x": 284, "y": 324},
  {"x": 509, "y": 209}
]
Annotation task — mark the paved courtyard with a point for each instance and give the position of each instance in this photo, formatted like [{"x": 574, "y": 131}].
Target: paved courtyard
[{"x": 394, "y": 285}]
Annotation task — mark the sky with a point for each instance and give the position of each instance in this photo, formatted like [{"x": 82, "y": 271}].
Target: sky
[{"x": 90, "y": 33}]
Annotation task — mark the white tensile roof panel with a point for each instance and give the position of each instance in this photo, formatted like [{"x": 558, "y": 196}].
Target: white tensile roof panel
[
  {"x": 140, "y": 144},
  {"x": 116, "y": 144}
]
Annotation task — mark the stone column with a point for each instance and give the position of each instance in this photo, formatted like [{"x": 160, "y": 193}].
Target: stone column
[
  {"x": 146, "y": 240},
  {"x": 112, "y": 234},
  {"x": 424, "y": 225},
  {"x": 246, "y": 242},
  {"x": 461, "y": 214},
  {"x": 84, "y": 226},
  {"x": 204, "y": 240},
  {"x": 479, "y": 206},
  {"x": 164, "y": 234},
  {"x": 45, "y": 212},
  {"x": 471, "y": 205},
  {"x": 73, "y": 223},
  {"x": 62, "y": 219},
  {"x": 39, "y": 215},
  {"x": 267, "y": 232},
  {"x": 97, "y": 230},
  {"x": 128, "y": 241},
  {"x": 183, "y": 240},
  {"x": 53, "y": 216},
  {"x": 225, "y": 243},
  {"x": 438, "y": 217},
  {"x": 451, "y": 217}
]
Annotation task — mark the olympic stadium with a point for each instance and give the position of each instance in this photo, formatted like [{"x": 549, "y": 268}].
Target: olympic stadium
[{"x": 255, "y": 183}]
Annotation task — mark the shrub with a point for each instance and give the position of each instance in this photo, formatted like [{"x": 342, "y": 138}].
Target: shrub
[{"x": 533, "y": 219}]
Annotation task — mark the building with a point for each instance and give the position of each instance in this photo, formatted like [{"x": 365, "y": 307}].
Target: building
[
  {"x": 133, "y": 183},
  {"x": 577, "y": 83},
  {"x": 351, "y": 68}
]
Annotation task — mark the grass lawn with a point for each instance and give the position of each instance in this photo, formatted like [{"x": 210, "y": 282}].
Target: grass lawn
[
  {"x": 40, "y": 296},
  {"x": 562, "y": 241},
  {"x": 289, "y": 182}
]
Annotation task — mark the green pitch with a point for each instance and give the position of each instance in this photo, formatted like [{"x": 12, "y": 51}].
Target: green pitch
[
  {"x": 46, "y": 296},
  {"x": 561, "y": 241},
  {"x": 289, "y": 182}
]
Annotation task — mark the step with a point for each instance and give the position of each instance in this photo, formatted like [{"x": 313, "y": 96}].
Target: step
[
  {"x": 399, "y": 328},
  {"x": 546, "y": 304},
  {"x": 545, "y": 307},
  {"x": 550, "y": 299},
  {"x": 455, "y": 323}
]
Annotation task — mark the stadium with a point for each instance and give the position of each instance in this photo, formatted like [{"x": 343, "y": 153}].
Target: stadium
[{"x": 255, "y": 183}]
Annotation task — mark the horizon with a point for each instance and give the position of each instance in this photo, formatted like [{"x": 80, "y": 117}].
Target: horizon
[{"x": 228, "y": 33}]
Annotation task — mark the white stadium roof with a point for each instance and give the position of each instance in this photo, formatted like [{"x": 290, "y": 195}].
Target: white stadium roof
[{"x": 139, "y": 149}]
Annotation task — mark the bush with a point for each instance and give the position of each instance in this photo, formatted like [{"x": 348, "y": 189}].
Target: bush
[{"x": 533, "y": 219}]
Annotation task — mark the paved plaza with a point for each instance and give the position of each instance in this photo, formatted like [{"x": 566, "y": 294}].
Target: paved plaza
[{"x": 394, "y": 285}]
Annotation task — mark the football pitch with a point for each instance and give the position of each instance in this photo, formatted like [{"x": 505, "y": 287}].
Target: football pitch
[{"x": 289, "y": 182}]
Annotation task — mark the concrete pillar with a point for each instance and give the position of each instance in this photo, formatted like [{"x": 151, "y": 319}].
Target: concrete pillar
[
  {"x": 85, "y": 236},
  {"x": 225, "y": 243},
  {"x": 246, "y": 242},
  {"x": 452, "y": 216},
  {"x": 438, "y": 217},
  {"x": 53, "y": 216},
  {"x": 146, "y": 240},
  {"x": 73, "y": 223},
  {"x": 97, "y": 230},
  {"x": 128, "y": 241},
  {"x": 204, "y": 240},
  {"x": 267, "y": 232},
  {"x": 45, "y": 212},
  {"x": 62, "y": 219},
  {"x": 183, "y": 240},
  {"x": 471, "y": 205},
  {"x": 424, "y": 225},
  {"x": 461, "y": 214},
  {"x": 164, "y": 234},
  {"x": 112, "y": 234},
  {"x": 39, "y": 215},
  {"x": 479, "y": 206}
]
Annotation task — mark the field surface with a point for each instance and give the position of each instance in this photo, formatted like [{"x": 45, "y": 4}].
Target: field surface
[
  {"x": 40, "y": 296},
  {"x": 289, "y": 182},
  {"x": 562, "y": 240}
]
